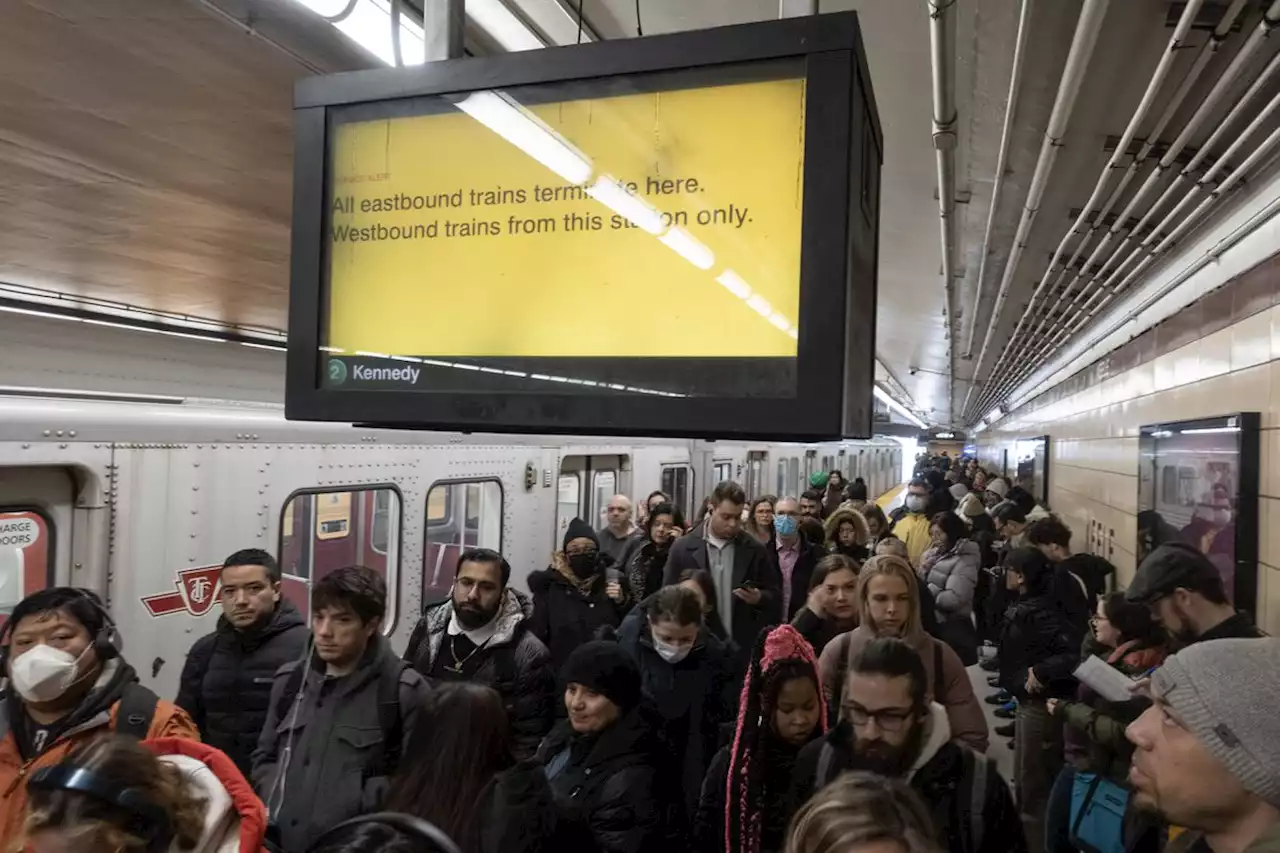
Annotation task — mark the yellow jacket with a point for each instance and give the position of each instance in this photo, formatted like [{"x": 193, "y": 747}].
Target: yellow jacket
[{"x": 913, "y": 529}]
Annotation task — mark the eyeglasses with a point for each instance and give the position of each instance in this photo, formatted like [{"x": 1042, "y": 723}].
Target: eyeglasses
[{"x": 888, "y": 719}]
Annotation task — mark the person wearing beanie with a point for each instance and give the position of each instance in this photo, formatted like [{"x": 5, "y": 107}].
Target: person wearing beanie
[
  {"x": 1185, "y": 593},
  {"x": 580, "y": 593},
  {"x": 996, "y": 490},
  {"x": 606, "y": 763},
  {"x": 1207, "y": 753}
]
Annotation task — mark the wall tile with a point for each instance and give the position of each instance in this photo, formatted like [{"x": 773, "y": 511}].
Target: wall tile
[{"x": 1251, "y": 341}]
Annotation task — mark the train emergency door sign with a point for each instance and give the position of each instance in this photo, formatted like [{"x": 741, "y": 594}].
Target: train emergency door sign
[
  {"x": 197, "y": 590},
  {"x": 24, "y": 552}
]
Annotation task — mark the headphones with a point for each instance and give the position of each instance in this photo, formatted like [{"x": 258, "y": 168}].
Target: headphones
[
  {"x": 422, "y": 830},
  {"x": 106, "y": 645},
  {"x": 144, "y": 819}
]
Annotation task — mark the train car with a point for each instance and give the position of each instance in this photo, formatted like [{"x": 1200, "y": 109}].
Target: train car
[{"x": 144, "y": 500}]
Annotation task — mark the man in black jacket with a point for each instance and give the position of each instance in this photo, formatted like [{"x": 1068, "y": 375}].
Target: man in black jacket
[
  {"x": 226, "y": 682},
  {"x": 482, "y": 634},
  {"x": 890, "y": 727},
  {"x": 1185, "y": 593},
  {"x": 748, "y": 587},
  {"x": 793, "y": 556},
  {"x": 1053, "y": 538}
]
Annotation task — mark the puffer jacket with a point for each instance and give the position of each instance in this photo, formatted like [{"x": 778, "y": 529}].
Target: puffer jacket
[
  {"x": 226, "y": 682},
  {"x": 839, "y": 517},
  {"x": 515, "y": 663},
  {"x": 952, "y": 577},
  {"x": 565, "y": 617},
  {"x": 612, "y": 784},
  {"x": 1094, "y": 735},
  {"x": 95, "y": 716},
  {"x": 235, "y": 820}
]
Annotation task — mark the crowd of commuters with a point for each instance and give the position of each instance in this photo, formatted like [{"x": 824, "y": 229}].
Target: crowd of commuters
[{"x": 788, "y": 674}]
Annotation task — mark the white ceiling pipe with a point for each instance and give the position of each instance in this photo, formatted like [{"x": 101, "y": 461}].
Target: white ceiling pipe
[
  {"x": 1006, "y": 134},
  {"x": 942, "y": 40},
  {"x": 1088, "y": 26},
  {"x": 1246, "y": 53},
  {"x": 1177, "y": 42}
]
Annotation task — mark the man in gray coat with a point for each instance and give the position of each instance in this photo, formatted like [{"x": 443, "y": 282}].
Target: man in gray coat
[{"x": 337, "y": 726}]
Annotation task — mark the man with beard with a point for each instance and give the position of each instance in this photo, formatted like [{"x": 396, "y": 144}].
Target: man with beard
[
  {"x": 889, "y": 725},
  {"x": 1207, "y": 753},
  {"x": 1185, "y": 593},
  {"x": 482, "y": 634}
]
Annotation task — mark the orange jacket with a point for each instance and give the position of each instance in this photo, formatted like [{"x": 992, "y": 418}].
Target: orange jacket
[{"x": 169, "y": 721}]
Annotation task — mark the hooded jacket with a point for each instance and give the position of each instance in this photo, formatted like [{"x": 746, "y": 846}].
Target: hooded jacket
[
  {"x": 95, "y": 715},
  {"x": 694, "y": 697},
  {"x": 952, "y": 577},
  {"x": 966, "y": 721},
  {"x": 315, "y": 762},
  {"x": 235, "y": 820},
  {"x": 936, "y": 775},
  {"x": 565, "y": 616},
  {"x": 839, "y": 517},
  {"x": 226, "y": 682},
  {"x": 515, "y": 663},
  {"x": 610, "y": 785}
]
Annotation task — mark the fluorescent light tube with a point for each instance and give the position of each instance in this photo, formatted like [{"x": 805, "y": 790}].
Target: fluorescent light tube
[
  {"x": 778, "y": 320},
  {"x": 1208, "y": 431},
  {"x": 688, "y": 247},
  {"x": 734, "y": 283},
  {"x": 527, "y": 132},
  {"x": 502, "y": 25},
  {"x": 884, "y": 397},
  {"x": 612, "y": 194},
  {"x": 273, "y": 347},
  {"x": 760, "y": 305}
]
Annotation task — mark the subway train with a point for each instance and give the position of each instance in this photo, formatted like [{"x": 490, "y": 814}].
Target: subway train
[{"x": 143, "y": 500}]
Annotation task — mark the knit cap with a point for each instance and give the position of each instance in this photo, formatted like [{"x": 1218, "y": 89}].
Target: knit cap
[
  {"x": 603, "y": 666},
  {"x": 819, "y": 479},
  {"x": 958, "y": 490},
  {"x": 972, "y": 506},
  {"x": 999, "y": 486},
  {"x": 1226, "y": 693},
  {"x": 579, "y": 529}
]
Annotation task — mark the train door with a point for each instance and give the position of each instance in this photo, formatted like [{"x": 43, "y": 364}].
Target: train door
[
  {"x": 678, "y": 481},
  {"x": 36, "y": 512},
  {"x": 585, "y": 485},
  {"x": 755, "y": 485}
]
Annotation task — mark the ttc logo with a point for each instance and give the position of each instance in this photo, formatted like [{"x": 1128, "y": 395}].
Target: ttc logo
[
  {"x": 196, "y": 593},
  {"x": 337, "y": 371}
]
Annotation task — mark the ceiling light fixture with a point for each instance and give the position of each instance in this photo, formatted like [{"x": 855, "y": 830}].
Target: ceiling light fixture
[{"x": 883, "y": 396}]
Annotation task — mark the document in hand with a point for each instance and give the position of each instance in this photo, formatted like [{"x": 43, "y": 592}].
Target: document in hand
[{"x": 1110, "y": 683}]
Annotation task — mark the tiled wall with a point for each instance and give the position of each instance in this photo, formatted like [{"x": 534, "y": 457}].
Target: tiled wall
[{"x": 1093, "y": 426}]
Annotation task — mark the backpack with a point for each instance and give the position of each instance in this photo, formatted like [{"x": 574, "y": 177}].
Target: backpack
[
  {"x": 972, "y": 790},
  {"x": 136, "y": 712},
  {"x": 386, "y": 758}
]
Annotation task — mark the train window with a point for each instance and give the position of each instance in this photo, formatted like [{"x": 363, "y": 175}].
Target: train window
[
  {"x": 782, "y": 477},
  {"x": 724, "y": 471},
  {"x": 675, "y": 482},
  {"x": 27, "y": 538},
  {"x": 793, "y": 478},
  {"x": 604, "y": 485},
  {"x": 568, "y": 500},
  {"x": 468, "y": 515},
  {"x": 322, "y": 531}
]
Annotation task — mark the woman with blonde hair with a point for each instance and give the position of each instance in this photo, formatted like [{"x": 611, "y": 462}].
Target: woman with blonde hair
[
  {"x": 863, "y": 813},
  {"x": 889, "y": 606},
  {"x": 118, "y": 795}
]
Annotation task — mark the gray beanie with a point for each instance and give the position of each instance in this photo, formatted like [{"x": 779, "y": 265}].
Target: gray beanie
[{"x": 1226, "y": 692}]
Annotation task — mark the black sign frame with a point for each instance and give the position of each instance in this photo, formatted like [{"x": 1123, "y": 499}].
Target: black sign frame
[{"x": 839, "y": 242}]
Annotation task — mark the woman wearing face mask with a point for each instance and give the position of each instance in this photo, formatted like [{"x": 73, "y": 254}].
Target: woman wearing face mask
[
  {"x": 760, "y": 519},
  {"x": 579, "y": 595},
  {"x": 847, "y": 534},
  {"x": 67, "y": 686},
  {"x": 644, "y": 570},
  {"x": 742, "y": 808},
  {"x": 889, "y": 606},
  {"x": 687, "y": 675}
]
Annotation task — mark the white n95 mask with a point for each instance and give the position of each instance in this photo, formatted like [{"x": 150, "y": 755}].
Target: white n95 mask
[{"x": 43, "y": 673}]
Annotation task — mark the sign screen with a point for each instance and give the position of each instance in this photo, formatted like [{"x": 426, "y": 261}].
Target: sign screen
[{"x": 576, "y": 238}]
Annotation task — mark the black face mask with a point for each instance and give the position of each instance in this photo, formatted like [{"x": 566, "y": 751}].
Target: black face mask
[{"x": 583, "y": 565}]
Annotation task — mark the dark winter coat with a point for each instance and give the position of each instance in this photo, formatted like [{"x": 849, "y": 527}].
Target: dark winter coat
[
  {"x": 750, "y": 564},
  {"x": 226, "y": 682},
  {"x": 694, "y": 697},
  {"x": 817, "y": 630},
  {"x": 1091, "y": 569},
  {"x": 564, "y": 617},
  {"x": 644, "y": 570},
  {"x": 806, "y": 562},
  {"x": 943, "y": 777},
  {"x": 709, "y": 823},
  {"x": 611, "y": 784},
  {"x": 515, "y": 663},
  {"x": 1038, "y": 635}
]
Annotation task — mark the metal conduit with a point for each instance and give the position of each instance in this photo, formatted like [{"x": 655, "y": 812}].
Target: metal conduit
[
  {"x": 1006, "y": 134},
  {"x": 1154, "y": 85},
  {"x": 942, "y": 40},
  {"x": 1088, "y": 27},
  {"x": 1247, "y": 52}
]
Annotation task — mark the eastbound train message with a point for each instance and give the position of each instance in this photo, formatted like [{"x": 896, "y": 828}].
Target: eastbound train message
[{"x": 663, "y": 224}]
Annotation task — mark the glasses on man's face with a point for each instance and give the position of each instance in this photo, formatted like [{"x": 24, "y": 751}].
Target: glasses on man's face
[{"x": 887, "y": 719}]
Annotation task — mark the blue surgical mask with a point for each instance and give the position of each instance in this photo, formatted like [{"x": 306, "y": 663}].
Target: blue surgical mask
[{"x": 785, "y": 525}]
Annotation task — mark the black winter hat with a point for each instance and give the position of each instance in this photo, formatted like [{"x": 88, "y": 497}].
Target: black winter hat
[
  {"x": 579, "y": 529},
  {"x": 603, "y": 666}
]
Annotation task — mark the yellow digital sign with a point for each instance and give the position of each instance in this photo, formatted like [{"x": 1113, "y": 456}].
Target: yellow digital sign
[{"x": 664, "y": 224}]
